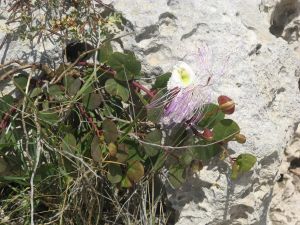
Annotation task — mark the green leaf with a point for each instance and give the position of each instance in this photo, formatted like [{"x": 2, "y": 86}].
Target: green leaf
[
  {"x": 186, "y": 158},
  {"x": 126, "y": 66},
  {"x": 56, "y": 92},
  {"x": 246, "y": 162},
  {"x": 177, "y": 135},
  {"x": 104, "y": 52},
  {"x": 3, "y": 165},
  {"x": 135, "y": 171},
  {"x": 202, "y": 152},
  {"x": 205, "y": 153},
  {"x": 126, "y": 183},
  {"x": 20, "y": 82},
  {"x": 114, "y": 173},
  {"x": 49, "y": 116},
  {"x": 155, "y": 113},
  {"x": 154, "y": 137},
  {"x": 72, "y": 85},
  {"x": 176, "y": 176},
  {"x": 225, "y": 129},
  {"x": 235, "y": 171},
  {"x": 6, "y": 102},
  {"x": 116, "y": 89},
  {"x": 35, "y": 92},
  {"x": 69, "y": 143},
  {"x": 162, "y": 81},
  {"x": 212, "y": 115},
  {"x": 96, "y": 150},
  {"x": 110, "y": 131},
  {"x": 134, "y": 152},
  {"x": 18, "y": 180},
  {"x": 121, "y": 156},
  {"x": 158, "y": 161},
  {"x": 7, "y": 140},
  {"x": 92, "y": 101}
]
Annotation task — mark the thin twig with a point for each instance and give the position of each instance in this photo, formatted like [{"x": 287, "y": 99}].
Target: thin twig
[
  {"x": 23, "y": 119},
  {"x": 4, "y": 40},
  {"x": 13, "y": 71},
  {"x": 179, "y": 147},
  {"x": 39, "y": 148}
]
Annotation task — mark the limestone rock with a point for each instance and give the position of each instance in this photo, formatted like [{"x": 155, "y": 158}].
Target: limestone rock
[{"x": 286, "y": 196}]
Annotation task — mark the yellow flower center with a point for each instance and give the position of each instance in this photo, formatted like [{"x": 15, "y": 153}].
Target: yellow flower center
[{"x": 184, "y": 76}]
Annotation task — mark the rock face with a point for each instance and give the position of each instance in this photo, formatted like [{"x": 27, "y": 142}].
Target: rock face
[
  {"x": 262, "y": 76},
  {"x": 285, "y": 206}
]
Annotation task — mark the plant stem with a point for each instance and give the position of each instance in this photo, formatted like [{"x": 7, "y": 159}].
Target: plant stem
[
  {"x": 232, "y": 160},
  {"x": 147, "y": 91},
  {"x": 90, "y": 120}
]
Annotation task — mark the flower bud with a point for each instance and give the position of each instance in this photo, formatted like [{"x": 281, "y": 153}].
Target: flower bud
[
  {"x": 226, "y": 104},
  {"x": 207, "y": 134},
  {"x": 240, "y": 138},
  {"x": 196, "y": 166}
]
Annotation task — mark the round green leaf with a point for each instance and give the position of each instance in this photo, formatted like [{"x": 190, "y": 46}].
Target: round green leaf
[
  {"x": 207, "y": 152},
  {"x": 49, "y": 116},
  {"x": 176, "y": 176},
  {"x": 110, "y": 131},
  {"x": 203, "y": 153},
  {"x": 72, "y": 85},
  {"x": 154, "y": 137},
  {"x": 126, "y": 183},
  {"x": 121, "y": 156},
  {"x": 114, "y": 173},
  {"x": 212, "y": 115},
  {"x": 126, "y": 66},
  {"x": 135, "y": 171},
  {"x": 20, "y": 82},
  {"x": 92, "y": 101},
  {"x": 186, "y": 158},
  {"x": 56, "y": 92},
  {"x": 104, "y": 52},
  {"x": 69, "y": 143},
  {"x": 225, "y": 130},
  {"x": 115, "y": 89},
  {"x": 162, "y": 81},
  {"x": 95, "y": 149},
  {"x": 35, "y": 92},
  {"x": 246, "y": 162}
]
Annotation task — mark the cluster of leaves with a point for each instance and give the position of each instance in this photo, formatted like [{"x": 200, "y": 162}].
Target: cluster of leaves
[
  {"x": 85, "y": 119},
  {"x": 75, "y": 19}
]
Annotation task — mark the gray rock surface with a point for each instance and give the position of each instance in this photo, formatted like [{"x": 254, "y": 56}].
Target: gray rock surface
[
  {"x": 285, "y": 207},
  {"x": 261, "y": 76}
]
